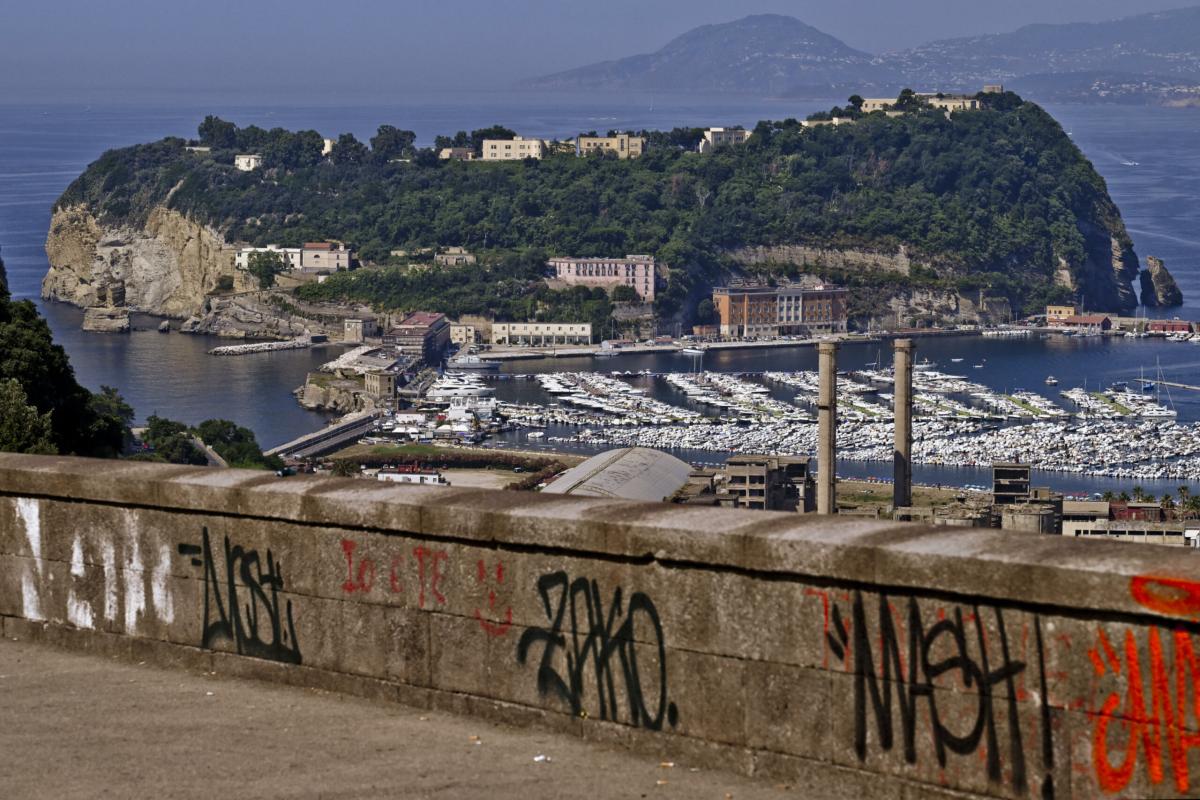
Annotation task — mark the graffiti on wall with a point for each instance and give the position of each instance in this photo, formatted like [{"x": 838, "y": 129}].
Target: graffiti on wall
[
  {"x": 420, "y": 574},
  {"x": 1141, "y": 697},
  {"x": 896, "y": 678},
  {"x": 1150, "y": 726},
  {"x": 241, "y": 601},
  {"x": 601, "y": 645},
  {"x": 124, "y": 604}
]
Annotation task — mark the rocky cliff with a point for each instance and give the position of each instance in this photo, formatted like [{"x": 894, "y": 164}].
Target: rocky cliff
[
  {"x": 3, "y": 279},
  {"x": 167, "y": 265},
  {"x": 1158, "y": 287}
]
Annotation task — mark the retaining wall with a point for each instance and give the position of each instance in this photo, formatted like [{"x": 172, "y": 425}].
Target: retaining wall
[{"x": 850, "y": 658}]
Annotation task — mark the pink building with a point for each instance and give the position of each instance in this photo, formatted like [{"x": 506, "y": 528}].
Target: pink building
[{"x": 634, "y": 271}]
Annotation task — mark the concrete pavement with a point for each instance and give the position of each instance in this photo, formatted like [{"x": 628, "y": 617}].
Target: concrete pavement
[{"x": 79, "y": 725}]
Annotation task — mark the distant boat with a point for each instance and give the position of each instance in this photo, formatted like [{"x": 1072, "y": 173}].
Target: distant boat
[
  {"x": 956, "y": 360},
  {"x": 1051, "y": 381},
  {"x": 924, "y": 365},
  {"x": 1130, "y": 164},
  {"x": 979, "y": 366},
  {"x": 474, "y": 363},
  {"x": 692, "y": 351}
]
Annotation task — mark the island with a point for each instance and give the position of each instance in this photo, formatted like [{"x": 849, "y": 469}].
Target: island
[{"x": 945, "y": 204}]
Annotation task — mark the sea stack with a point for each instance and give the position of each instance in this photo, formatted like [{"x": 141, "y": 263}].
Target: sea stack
[{"x": 1158, "y": 287}]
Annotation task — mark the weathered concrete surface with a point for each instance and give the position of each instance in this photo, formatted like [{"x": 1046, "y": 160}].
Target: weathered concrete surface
[
  {"x": 846, "y": 656},
  {"x": 79, "y": 725}
]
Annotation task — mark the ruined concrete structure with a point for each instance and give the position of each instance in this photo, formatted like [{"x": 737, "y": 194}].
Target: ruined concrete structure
[{"x": 845, "y": 657}]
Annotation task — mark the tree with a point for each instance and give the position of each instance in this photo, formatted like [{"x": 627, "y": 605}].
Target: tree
[
  {"x": 706, "y": 312},
  {"x": 625, "y": 294},
  {"x": 391, "y": 142},
  {"x": 265, "y": 265},
  {"x": 494, "y": 132},
  {"x": 113, "y": 418},
  {"x": 856, "y": 101},
  {"x": 348, "y": 150},
  {"x": 237, "y": 445},
  {"x": 216, "y": 132},
  {"x": 344, "y": 468},
  {"x": 909, "y": 101},
  {"x": 172, "y": 442},
  {"x": 22, "y": 428}
]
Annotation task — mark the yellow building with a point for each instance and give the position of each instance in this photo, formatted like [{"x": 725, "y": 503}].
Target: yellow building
[
  {"x": 623, "y": 144},
  {"x": 517, "y": 149},
  {"x": 463, "y": 335},
  {"x": 1056, "y": 314},
  {"x": 946, "y": 102}
]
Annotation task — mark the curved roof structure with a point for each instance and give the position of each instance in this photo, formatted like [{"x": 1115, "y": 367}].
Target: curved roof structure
[{"x": 630, "y": 473}]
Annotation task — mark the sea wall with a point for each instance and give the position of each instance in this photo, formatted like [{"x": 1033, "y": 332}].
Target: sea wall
[{"x": 848, "y": 658}]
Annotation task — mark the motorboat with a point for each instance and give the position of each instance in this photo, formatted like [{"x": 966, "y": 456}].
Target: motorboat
[
  {"x": 692, "y": 351},
  {"x": 474, "y": 363},
  {"x": 1051, "y": 380}
]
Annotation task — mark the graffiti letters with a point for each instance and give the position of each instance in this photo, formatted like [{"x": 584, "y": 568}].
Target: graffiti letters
[
  {"x": 242, "y": 604},
  {"x": 595, "y": 644},
  {"x": 1164, "y": 723},
  {"x": 429, "y": 566},
  {"x": 899, "y": 679}
]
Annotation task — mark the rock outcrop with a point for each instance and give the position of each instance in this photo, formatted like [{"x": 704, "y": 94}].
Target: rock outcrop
[
  {"x": 168, "y": 266},
  {"x": 823, "y": 257},
  {"x": 342, "y": 394},
  {"x": 245, "y": 317},
  {"x": 1158, "y": 287},
  {"x": 3, "y": 279},
  {"x": 106, "y": 320}
]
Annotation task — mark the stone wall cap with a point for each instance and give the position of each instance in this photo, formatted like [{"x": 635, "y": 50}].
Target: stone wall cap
[{"x": 1026, "y": 568}]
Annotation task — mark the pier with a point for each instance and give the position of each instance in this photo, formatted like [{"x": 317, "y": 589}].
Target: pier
[
  {"x": 261, "y": 347},
  {"x": 336, "y": 435}
]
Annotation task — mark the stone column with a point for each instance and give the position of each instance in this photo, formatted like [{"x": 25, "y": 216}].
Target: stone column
[
  {"x": 902, "y": 458},
  {"x": 827, "y": 429}
]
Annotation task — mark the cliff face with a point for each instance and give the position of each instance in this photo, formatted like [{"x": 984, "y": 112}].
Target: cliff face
[
  {"x": 1158, "y": 287},
  {"x": 1105, "y": 278},
  {"x": 167, "y": 266},
  {"x": 3, "y": 279}
]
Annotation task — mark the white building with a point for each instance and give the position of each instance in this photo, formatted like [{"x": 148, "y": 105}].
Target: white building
[
  {"x": 327, "y": 146},
  {"x": 541, "y": 334},
  {"x": 430, "y": 478},
  {"x": 312, "y": 257},
  {"x": 721, "y": 137},
  {"x": 634, "y": 271},
  {"x": 247, "y": 162},
  {"x": 516, "y": 149}
]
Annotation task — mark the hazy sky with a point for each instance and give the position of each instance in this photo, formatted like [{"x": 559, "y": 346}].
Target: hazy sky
[{"x": 328, "y": 49}]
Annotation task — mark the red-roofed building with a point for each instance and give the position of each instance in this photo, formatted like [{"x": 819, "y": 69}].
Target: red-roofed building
[
  {"x": 1169, "y": 326},
  {"x": 421, "y": 333}
]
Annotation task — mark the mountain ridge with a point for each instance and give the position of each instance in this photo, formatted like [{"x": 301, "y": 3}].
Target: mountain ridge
[{"x": 1156, "y": 54}]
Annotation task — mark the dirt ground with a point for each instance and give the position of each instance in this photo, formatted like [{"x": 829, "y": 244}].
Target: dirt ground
[{"x": 78, "y": 725}]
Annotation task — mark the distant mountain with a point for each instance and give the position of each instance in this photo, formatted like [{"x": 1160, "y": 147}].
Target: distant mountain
[
  {"x": 764, "y": 54},
  {"x": 1159, "y": 47},
  {"x": 1154, "y": 55}
]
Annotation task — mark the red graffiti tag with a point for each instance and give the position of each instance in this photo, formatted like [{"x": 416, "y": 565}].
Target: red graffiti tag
[
  {"x": 1146, "y": 728},
  {"x": 1173, "y": 596},
  {"x": 489, "y": 627},
  {"x": 366, "y": 571},
  {"x": 439, "y": 557}
]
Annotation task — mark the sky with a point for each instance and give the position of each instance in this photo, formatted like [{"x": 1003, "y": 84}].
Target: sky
[{"x": 324, "y": 50}]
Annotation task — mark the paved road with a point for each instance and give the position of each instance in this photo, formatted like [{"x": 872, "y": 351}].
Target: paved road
[{"x": 76, "y": 725}]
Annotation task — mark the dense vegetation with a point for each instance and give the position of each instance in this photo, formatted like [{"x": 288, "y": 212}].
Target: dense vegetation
[
  {"x": 991, "y": 198},
  {"x": 175, "y": 442},
  {"x": 43, "y": 407}
]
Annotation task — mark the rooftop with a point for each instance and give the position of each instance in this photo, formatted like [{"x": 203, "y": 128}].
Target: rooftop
[{"x": 632, "y": 473}]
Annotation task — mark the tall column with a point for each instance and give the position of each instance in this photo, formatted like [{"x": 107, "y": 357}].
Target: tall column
[
  {"x": 827, "y": 429},
  {"x": 902, "y": 458}
]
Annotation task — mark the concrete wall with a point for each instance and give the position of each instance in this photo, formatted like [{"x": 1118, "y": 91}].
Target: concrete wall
[{"x": 850, "y": 658}]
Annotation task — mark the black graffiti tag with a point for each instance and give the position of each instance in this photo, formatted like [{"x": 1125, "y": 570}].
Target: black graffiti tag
[
  {"x": 877, "y": 677},
  {"x": 250, "y": 616},
  {"x": 590, "y": 641}
]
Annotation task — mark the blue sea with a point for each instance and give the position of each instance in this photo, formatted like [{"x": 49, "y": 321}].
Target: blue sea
[{"x": 1147, "y": 155}]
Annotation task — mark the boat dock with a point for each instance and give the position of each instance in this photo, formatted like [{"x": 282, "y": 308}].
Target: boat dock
[{"x": 1178, "y": 385}]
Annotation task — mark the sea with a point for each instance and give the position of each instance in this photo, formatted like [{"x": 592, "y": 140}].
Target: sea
[{"x": 1147, "y": 156}]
